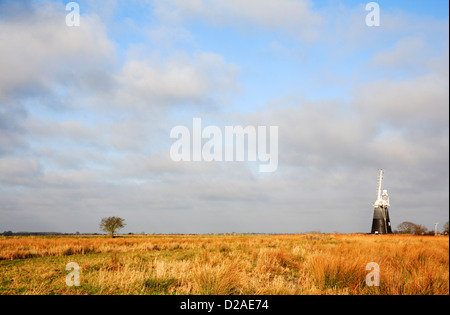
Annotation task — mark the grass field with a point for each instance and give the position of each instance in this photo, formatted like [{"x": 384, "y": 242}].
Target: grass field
[{"x": 226, "y": 264}]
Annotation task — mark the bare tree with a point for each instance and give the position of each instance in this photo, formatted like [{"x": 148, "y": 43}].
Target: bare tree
[
  {"x": 420, "y": 229},
  {"x": 111, "y": 225},
  {"x": 411, "y": 228},
  {"x": 406, "y": 227},
  {"x": 446, "y": 228}
]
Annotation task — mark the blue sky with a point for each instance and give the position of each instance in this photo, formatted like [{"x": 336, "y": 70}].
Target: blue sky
[{"x": 86, "y": 113}]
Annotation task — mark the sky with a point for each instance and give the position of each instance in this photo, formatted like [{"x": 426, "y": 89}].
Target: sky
[{"x": 86, "y": 114}]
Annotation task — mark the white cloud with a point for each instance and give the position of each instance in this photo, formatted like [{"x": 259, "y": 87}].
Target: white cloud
[
  {"x": 18, "y": 171},
  {"x": 294, "y": 16},
  {"x": 40, "y": 44},
  {"x": 415, "y": 102},
  {"x": 406, "y": 53},
  {"x": 180, "y": 79}
]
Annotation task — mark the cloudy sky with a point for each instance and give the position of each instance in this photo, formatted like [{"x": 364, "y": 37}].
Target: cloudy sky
[{"x": 86, "y": 113}]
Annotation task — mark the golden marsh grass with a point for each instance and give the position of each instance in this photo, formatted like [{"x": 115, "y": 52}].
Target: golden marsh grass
[{"x": 226, "y": 264}]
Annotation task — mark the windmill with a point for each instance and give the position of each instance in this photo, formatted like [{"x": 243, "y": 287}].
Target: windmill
[{"x": 381, "y": 223}]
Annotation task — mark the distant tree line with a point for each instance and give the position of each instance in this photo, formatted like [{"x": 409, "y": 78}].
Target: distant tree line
[
  {"x": 418, "y": 229},
  {"x": 110, "y": 225},
  {"x": 11, "y": 233}
]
